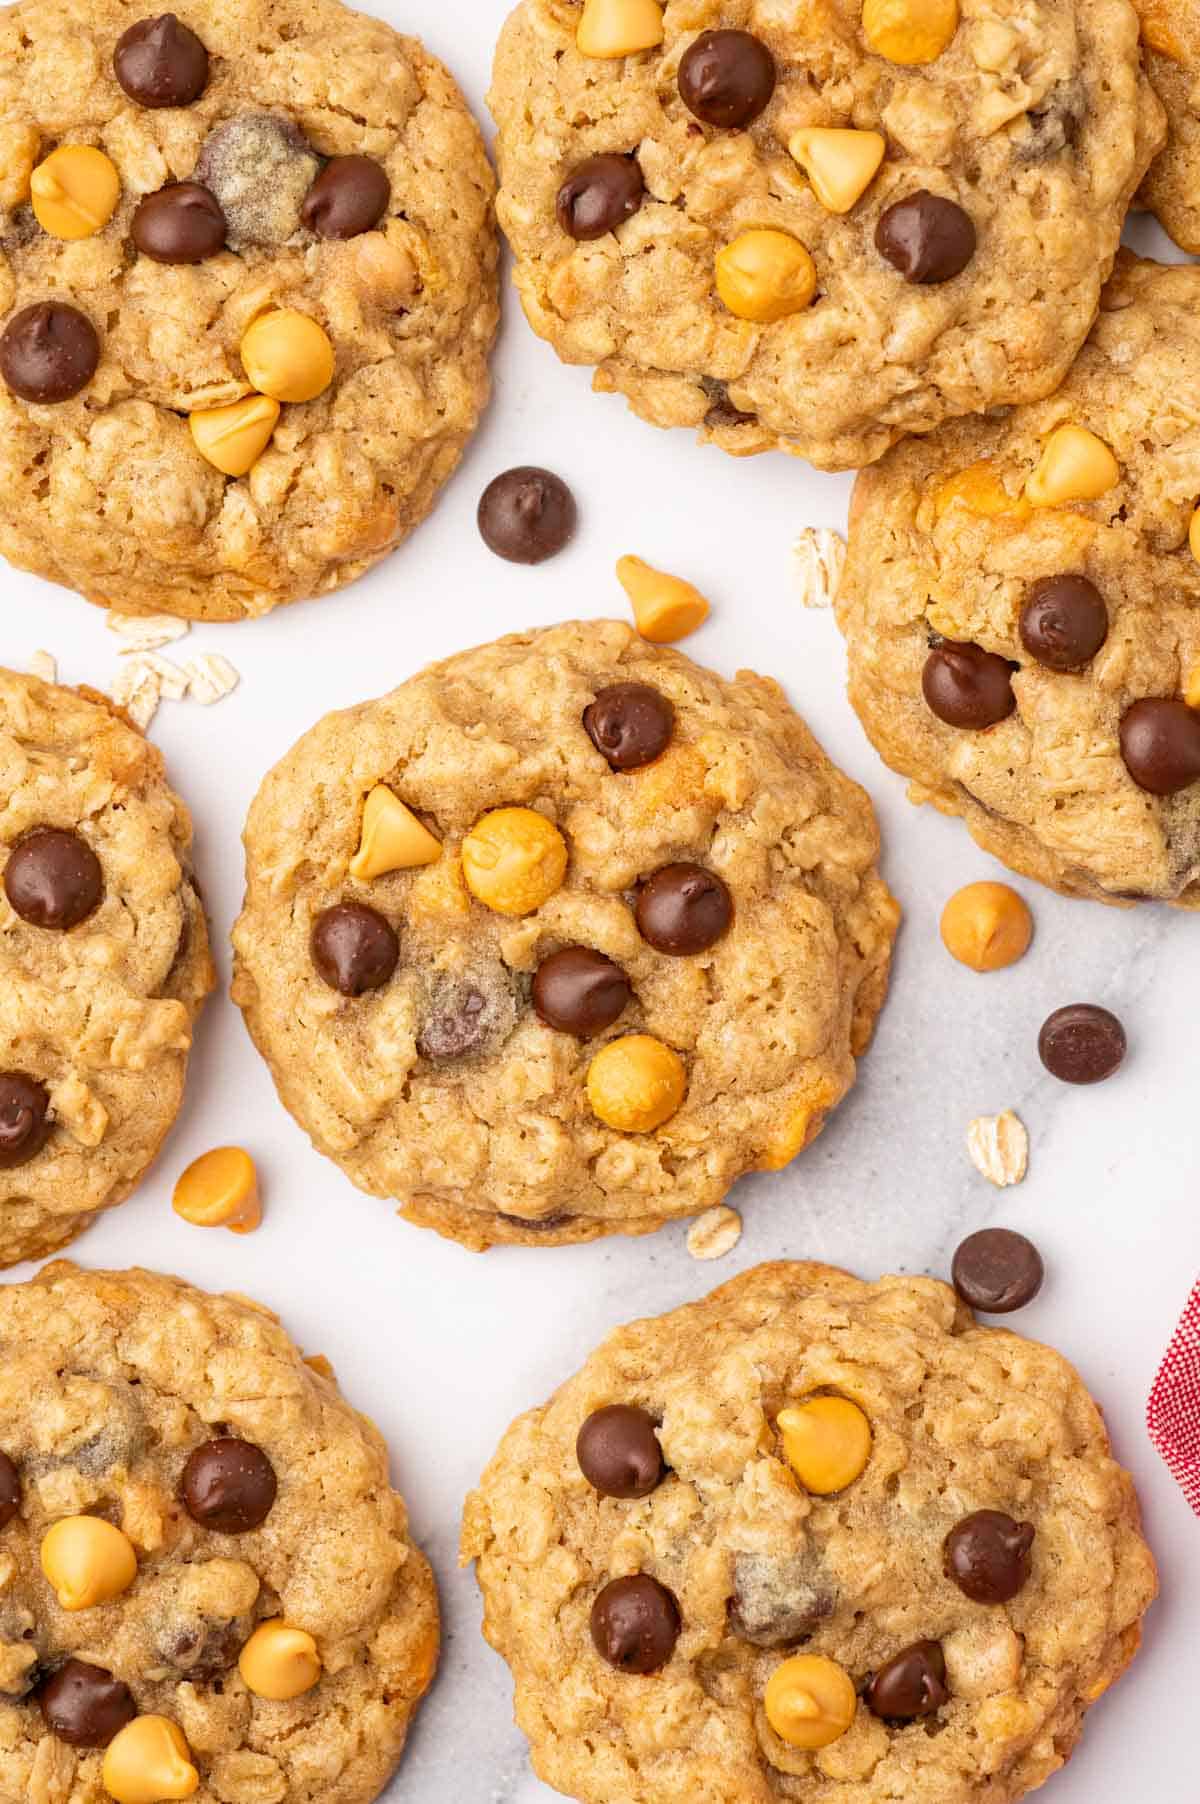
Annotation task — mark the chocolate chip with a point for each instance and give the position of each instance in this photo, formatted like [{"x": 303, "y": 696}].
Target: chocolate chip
[
  {"x": 578, "y": 991},
  {"x": 202, "y": 1653},
  {"x": 160, "y": 62},
  {"x": 182, "y": 223},
  {"x": 987, "y": 1556},
  {"x": 1082, "y": 1044},
  {"x": 229, "y": 1486},
  {"x": 683, "y": 909},
  {"x": 779, "y": 1599},
  {"x": 726, "y": 78},
  {"x": 997, "y": 1271},
  {"x": 635, "y": 1624},
  {"x": 630, "y": 724},
  {"x": 457, "y": 1031},
  {"x": 353, "y": 948},
  {"x": 527, "y": 515},
  {"x": 1160, "y": 743},
  {"x": 48, "y": 352},
  {"x": 84, "y": 1705},
  {"x": 350, "y": 195},
  {"x": 467, "y": 1013},
  {"x": 926, "y": 237},
  {"x": 1064, "y": 622},
  {"x": 599, "y": 195},
  {"x": 912, "y": 1684},
  {"x": 10, "y": 1490},
  {"x": 722, "y": 412},
  {"x": 966, "y": 686},
  {"x": 618, "y": 1452},
  {"x": 260, "y": 168},
  {"x": 24, "y": 1127},
  {"x": 53, "y": 879}
]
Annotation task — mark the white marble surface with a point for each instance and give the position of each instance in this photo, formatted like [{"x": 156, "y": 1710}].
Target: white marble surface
[{"x": 443, "y": 1347}]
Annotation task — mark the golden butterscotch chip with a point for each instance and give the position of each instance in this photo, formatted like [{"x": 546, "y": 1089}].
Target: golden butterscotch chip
[
  {"x": 979, "y": 489},
  {"x": 827, "y": 1441},
  {"x": 149, "y": 1762},
  {"x": 810, "y": 1701},
  {"x": 280, "y": 1662},
  {"x": 220, "y": 1190},
  {"x": 665, "y": 608},
  {"x": 987, "y": 926},
  {"x": 233, "y": 438},
  {"x": 841, "y": 164},
  {"x": 611, "y": 28},
  {"x": 393, "y": 839},
  {"x": 513, "y": 860},
  {"x": 1075, "y": 465},
  {"x": 635, "y": 1084},
  {"x": 87, "y": 1561},
  {"x": 764, "y": 275},
  {"x": 909, "y": 32},
  {"x": 74, "y": 193},
  {"x": 286, "y": 354}
]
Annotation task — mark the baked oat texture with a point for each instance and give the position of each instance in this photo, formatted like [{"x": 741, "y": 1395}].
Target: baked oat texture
[
  {"x": 1036, "y": 119},
  {"x": 1047, "y": 789},
  {"x": 108, "y": 1381},
  {"x": 502, "y": 1145},
  {"x": 962, "y": 1418},
  {"x": 1171, "y": 34},
  {"x": 106, "y": 492},
  {"x": 102, "y": 1015}
]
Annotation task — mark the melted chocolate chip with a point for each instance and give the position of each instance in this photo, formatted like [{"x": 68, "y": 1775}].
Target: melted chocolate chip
[
  {"x": 161, "y": 62},
  {"x": 53, "y": 879},
  {"x": 204, "y": 1651},
  {"x": 630, "y": 724},
  {"x": 1082, "y": 1043},
  {"x": 927, "y": 238},
  {"x": 1064, "y": 622},
  {"x": 726, "y": 78},
  {"x": 779, "y": 1599},
  {"x": 179, "y": 224},
  {"x": 350, "y": 196},
  {"x": 988, "y": 1556},
  {"x": 683, "y": 909},
  {"x": 527, "y": 515},
  {"x": 578, "y": 991},
  {"x": 599, "y": 195},
  {"x": 997, "y": 1271},
  {"x": 618, "y": 1452},
  {"x": 260, "y": 167},
  {"x": 912, "y": 1684},
  {"x": 10, "y": 1490},
  {"x": 353, "y": 948},
  {"x": 968, "y": 687},
  {"x": 85, "y": 1706},
  {"x": 228, "y": 1486},
  {"x": 635, "y": 1624},
  {"x": 24, "y": 1128},
  {"x": 1160, "y": 743},
  {"x": 48, "y": 352}
]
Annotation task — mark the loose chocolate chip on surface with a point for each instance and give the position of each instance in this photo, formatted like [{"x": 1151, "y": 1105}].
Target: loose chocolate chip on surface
[
  {"x": 726, "y": 78},
  {"x": 683, "y": 909},
  {"x": 618, "y": 1452},
  {"x": 578, "y": 991},
  {"x": 48, "y": 352},
  {"x": 1160, "y": 743},
  {"x": 630, "y": 724},
  {"x": 997, "y": 1271},
  {"x": 53, "y": 879},
  {"x": 353, "y": 948},
  {"x": 1082, "y": 1043},
  {"x": 161, "y": 62},
  {"x": 24, "y": 1127},
  {"x": 987, "y": 1556},
  {"x": 182, "y": 223},
  {"x": 1064, "y": 622},
  {"x": 912, "y": 1684},
  {"x": 85, "y": 1706},
  {"x": 10, "y": 1490},
  {"x": 599, "y": 195},
  {"x": 966, "y": 686},
  {"x": 350, "y": 195},
  {"x": 229, "y": 1486},
  {"x": 635, "y": 1624},
  {"x": 526, "y": 515},
  {"x": 926, "y": 237}
]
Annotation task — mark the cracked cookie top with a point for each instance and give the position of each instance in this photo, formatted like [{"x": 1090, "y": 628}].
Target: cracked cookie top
[
  {"x": 179, "y": 1491},
  {"x": 104, "y": 960},
  {"x": 1022, "y": 610},
  {"x": 712, "y": 221},
  {"x": 247, "y": 293},
  {"x": 562, "y": 936},
  {"x": 810, "y": 1539}
]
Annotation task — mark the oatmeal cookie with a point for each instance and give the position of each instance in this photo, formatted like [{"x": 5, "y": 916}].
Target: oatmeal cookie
[
  {"x": 247, "y": 292},
  {"x": 1171, "y": 35},
  {"x": 562, "y": 936},
  {"x": 1022, "y": 610},
  {"x": 104, "y": 961},
  {"x": 738, "y": 1516},
  {"x": 818, "y": 225},
  {"x": 209, "y": 1587}
]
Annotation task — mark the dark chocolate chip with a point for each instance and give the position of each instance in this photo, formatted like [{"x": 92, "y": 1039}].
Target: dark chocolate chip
[
  {"x": 683, "y": 909},
  {"x": 350, "y": 195},
  {"x": 353, "y": 948},
  {"x": 229, "y": 1486},
  {"x": 926, "y": 237},
  {"x": 599, "y": 195},
  {"x": 912, "y": 1684},
  {"x": 635, "y": 1624},
  {"x": 179, "y": 224},
  {"x": 1064, "y": 622},
  {"x": 726, "y": 78},
  {"x": 10, "y": 1490},
  {"x": 53, "y": 879},
  {"x": 1082, "y": 1043},
  {"x": 618, "y": 1452},
  {"x": 966, "y": 686},
  {"x": 630, "y": 724},
  {"x": 987, "y": 1556},
  {"x": 578, "y": 991},
  {"x": 1160, "y": 743},
  {"x": 204, "y": 1651},
  {"x": 48, "y": 352},
  {"x": 161, "y": 62},
  {"x": 85, "y": 1706},
  {"x": 997, "y": 1271},
  {"x": 527, "y": 515},
  {"x": 24, "y": 1128},
  {"x": 722, "y": 412}
]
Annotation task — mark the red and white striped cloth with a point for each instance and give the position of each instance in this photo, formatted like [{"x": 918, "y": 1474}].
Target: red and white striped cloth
[{"x": 1173, "y": 1415}]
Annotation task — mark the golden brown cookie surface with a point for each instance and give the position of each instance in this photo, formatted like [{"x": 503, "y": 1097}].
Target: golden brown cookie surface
[{"x": 1171, "y": 34}]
